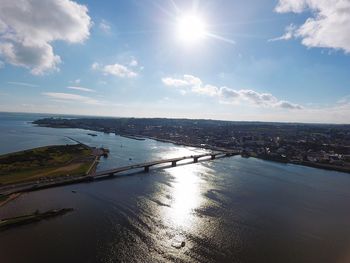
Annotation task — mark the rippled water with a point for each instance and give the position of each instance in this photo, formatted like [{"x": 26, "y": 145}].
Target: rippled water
[{"x": 227, "y": 210}]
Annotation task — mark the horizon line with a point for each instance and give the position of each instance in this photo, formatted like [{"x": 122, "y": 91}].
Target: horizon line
[{"x": 177, "y": 118}]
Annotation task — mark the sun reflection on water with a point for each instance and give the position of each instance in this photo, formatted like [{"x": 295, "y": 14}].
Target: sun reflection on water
[
  {"x": 178, "y": 199},
  {"x": 179, "y": 152},
  {"x": 185, "y": 195}
]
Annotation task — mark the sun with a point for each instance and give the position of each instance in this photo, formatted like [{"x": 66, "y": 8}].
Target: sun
[{"x": 191, "y": 29}]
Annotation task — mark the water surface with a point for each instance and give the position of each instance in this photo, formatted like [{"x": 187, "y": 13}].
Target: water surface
[{"x": 227, "y": 210}]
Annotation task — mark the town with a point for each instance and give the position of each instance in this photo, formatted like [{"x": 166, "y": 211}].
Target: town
[{"x": 324, "y": 146}]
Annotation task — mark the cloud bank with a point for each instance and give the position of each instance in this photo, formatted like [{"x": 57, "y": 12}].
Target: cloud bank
[
  {"x": 327, "y": 27},
  {"x": 227, "y": 95},
  {"x": 28, "y": 28}
]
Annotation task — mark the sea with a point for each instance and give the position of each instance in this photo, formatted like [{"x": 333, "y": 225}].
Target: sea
[{"x": 226, "y": 210}]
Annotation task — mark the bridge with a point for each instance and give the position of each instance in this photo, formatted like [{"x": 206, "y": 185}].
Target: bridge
[
  {"x": 173, "y": 161},
  {"x": 59, "y": 181}
]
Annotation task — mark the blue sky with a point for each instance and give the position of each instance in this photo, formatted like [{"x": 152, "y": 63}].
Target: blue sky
[{"x": 284, "y": 60}]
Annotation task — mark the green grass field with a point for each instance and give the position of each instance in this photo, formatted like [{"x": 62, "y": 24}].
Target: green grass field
[{"x": 49, "y": 161}]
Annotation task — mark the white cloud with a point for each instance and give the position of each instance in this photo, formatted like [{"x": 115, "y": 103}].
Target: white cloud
[
  {"x": 71, "y": 97},
  {"x": 95, "y": 66},
  {"x": 289, "y": 34},
  {"x": 188, "y": 80},
  {"x": 296, "y": 6},
  {"x": 104, "y": 26},
  {"x": 77, "y": 81},
  {"x": 119, "y": 70},
  {"x": 209, "y": 90},
  {"x": 344, "y": 101},
  {"x": 133, "y": 63},
  {"x": 174, "y": 82},
  {"x": 38, "y": 58},
  {"x": 336, "y": 113},
  {"x": 115, "y": 70},
  {"x": 28, "y": 28},
  {"x": 258, "y": 99},
  {"x": 81, "y": 89},
  {"x": 22, "y": 84},
  {"x": 328, "y": 25},
  {"x": 288, "y": 105},
  {"x": 227, "y": 95}
]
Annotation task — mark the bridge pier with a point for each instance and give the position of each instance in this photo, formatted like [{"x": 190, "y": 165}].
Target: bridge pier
[
  {"x": 212, "y": 157},
  {"x": 146, "y": 169},
  {"x": 195, "y": 159},
  {"x": 173, "y": 163}
]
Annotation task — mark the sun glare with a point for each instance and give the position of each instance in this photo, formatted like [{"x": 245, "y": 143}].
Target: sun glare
[{"x": 191, "y": 29}]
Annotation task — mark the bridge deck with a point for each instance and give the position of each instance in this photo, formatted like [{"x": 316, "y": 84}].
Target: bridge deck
[{"x": 153, "y": 163}]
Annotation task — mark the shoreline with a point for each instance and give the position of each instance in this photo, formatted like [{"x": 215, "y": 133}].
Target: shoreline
[
  {"x": 7, "y": 223},
  {"x": 11, "y": 191},
  {"x": 133, "y": 137},
  {"x": 307, "y": 164},
  {"x": 302, "y": 163},
  {"x": 10, "y": 198},
  {"x": 214, "y": 148}
]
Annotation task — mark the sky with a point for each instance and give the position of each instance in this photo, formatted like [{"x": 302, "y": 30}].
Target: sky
[{"x": 251, "y": 60}]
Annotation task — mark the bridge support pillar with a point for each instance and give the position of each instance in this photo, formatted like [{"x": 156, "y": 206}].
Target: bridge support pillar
[
  {"x": 195, "y": 159},
  {"x": 213, "y": 156},
  {"x": 146, "y": 169},
  {"x": 111, "y": 174},
  {"x": 173, "y": 163}
]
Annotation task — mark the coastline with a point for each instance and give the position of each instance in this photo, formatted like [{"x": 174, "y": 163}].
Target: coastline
[
  {"x": 305, "y": 164},
  {"x": 133, "y": 137},
  {"x": 207, "y": 147},
  {"x": 214, "y": 148},
  {"x": 11, "y": 191},
  {"x": 11, "y": 222},
  {"x": 9, "y": 198}
]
